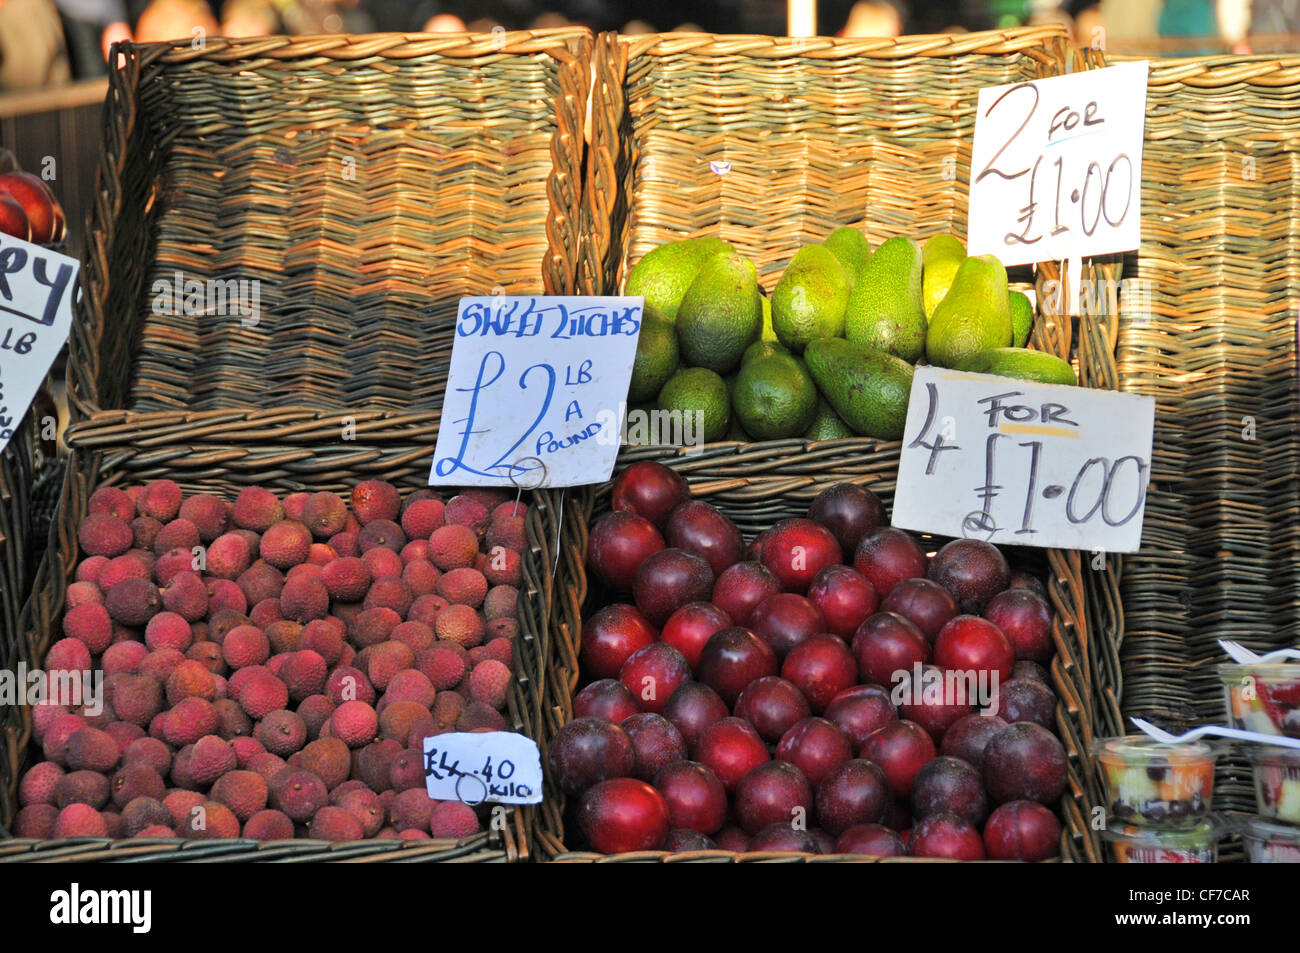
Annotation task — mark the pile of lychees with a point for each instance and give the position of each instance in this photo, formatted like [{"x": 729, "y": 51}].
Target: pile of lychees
[{"x": 271, "y": 667}]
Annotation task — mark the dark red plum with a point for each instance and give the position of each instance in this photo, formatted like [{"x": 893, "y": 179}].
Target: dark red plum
[
  {"x": 691, "y": 709},
  {"x": 782, "y": 837},
  {"x": 669, "y": 580},
  {"x": 731, "y": 748},
  {"x": 860, "y": 710},
  {"x": 886, "y": 645},
  {"x": 1024, "y": 762},
  {"x": 732, "y": 839},
  {"x": 855, "y": 792},
  {"x": 653, "y": 673},
  {"x": 939, "y": 700},
  {"x": 620, "y": 542},
  {"x": 971, "y": 644},
  {"x": 1023, "y": 580},
  {"x": 949, "y": 784},
  {"x": 622, "y": 815},
  {"x": 927, "y": 605},
  {"x": 797, "y": 550},
  {"x": 967, "y": 738},
  {"x": 607, "y": 698},
  {"x": 1027, "y": 700},
  {"x": 1032, "y": 670},
  {"x": 844, "y": 598},
  {"x": 680, "y": 841},
  {"x": 821, "y": 667},
  {"x": 886, "y": 557},
  {"x": 700, "y": 528},
  {"x": 849, "y": 511},
  {"x": 732, "y": 659},
  {"x": 1022, "y": 830},
  {"x": 873, "y": 839},
  {"x": 696, "y": 798},
  {"x": 784, "y": 620},
  {"x": 587, "y": 751},
  {"x": 815, "y": 747},
  {"x": 1025, "y": 619},
  {"x": 775, "y": 792},
  {"x": 972, "y": 570},
  {"x": 650, "y": 490},
  {"x": 946, "y": 835},
  {"x": 901, "y": 748},
  {"x": 772, "y": 705},
  {"x": 740, "y": 589},
  {"x": 656, "y": 743},
  {"x": 691, "y": 626},
  {"x": 611, "y": 636}
]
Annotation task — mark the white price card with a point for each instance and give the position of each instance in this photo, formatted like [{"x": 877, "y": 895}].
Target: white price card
[
  {"x": 537, "y": 391},
  {"x": 479, "y": 766},
  {"x": 36, "y": 289},
  {"x": 1024, "y": 464},
  {"x": 1056, "y": 166}
]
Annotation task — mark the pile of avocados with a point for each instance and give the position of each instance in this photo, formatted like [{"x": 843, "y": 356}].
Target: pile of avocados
[{"x": 830, "y": 352}]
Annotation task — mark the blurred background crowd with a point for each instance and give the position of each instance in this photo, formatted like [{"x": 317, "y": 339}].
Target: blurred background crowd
[{"x": 46, "y": 42}]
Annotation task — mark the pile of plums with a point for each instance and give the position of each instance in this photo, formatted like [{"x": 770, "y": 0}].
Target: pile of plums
[{"x": 827, "y": 688}]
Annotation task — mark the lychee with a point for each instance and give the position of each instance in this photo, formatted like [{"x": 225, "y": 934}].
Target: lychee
[
  {"x": 461, "y": 624},
  {"x": 269, "y": 825},
  {"x": 453, "y": 547},
  {"x": 113, "y": 501},
  {"x": 261, "y": 580},
  {"x": 177, "y": 534},
  {"x": 386, "y": 660},
  {"x": 421, "y": 518},
  {"x": 261, "y": 694},
  {"x": 303, "y": 674},
  {"x": 89, "y": 624},
  {"x": 37, "y": 785},
  {"x": 443, "y": 665},
  {"x": 245, "y": 645},
  {"x": 144, "y": 530},
  {"x": 354, "y": 723},
  {"x": 284, "y": 636},
  {"x": 365, "y": 806},
  {"x": 211, "y": 820},
  {"x": 406, "y": 771},
  {"x": 375, "y": 500},
  {"x": 120, "y": 568},
  {"x": 315, "y": 711},
  {"x": 137, "y": 698},
  {"x": 187, "y": 596},
  {"x": 389, "y": 592},
  {"x": 346, "y": 684},
  {"x": 328, "y": 759},
  {"x": 168, "y": 630},
  {"x": 256, "y": 509},
  {"x": 304, "y": 599},
  {"x": 503, "y": 567},
  {"x": 464, "y": 510},
  {"x": 150, "y": 752},
  {"x": 324, "y": 638},
  {"x": 79, "y": 820},
  {"x": 232, "y": 722},
  {"x": 489, "y": 683},
  {"x": 102, "y": 534},
  {"x": 244, "y": 792},
  {"x": 382, "y": 561},
  {"x": 190, "y": 679},
  {"x": 479, "y": 716},
  {"x": 135, "y": 781},
  {"x": 143, "y": 813},
  {"x": 397, "y": 719},
  {"x": 509, "y": 532},
  {"x": 90, "y": 749},
  {"x": 411, "y": 809},
  {"x": 453, "y": 819},
  {"x": 410, "y": 685},
  {"x": 228, "y": 556},
  {"x": 334, "y": 824},
  {"x": 160, "y": 499},
  {"x": 209, "y": 514},
  {"x": 285, "y": 544},
  {"x": 133, "y": 601},
  {"x": 82, "y": 787},
  {"x": 211, "y": 758},
  {"x": 381, "y": 534},
  {"x": 55, "y": 743},
  {"x": 282, "y": 732}
]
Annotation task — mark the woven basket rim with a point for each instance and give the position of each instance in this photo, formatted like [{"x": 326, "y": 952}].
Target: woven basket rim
[
  {"x": 358, "y": 46},
  {"x": 830, "y": 47},
  {"x": 1208, "y": 72}
]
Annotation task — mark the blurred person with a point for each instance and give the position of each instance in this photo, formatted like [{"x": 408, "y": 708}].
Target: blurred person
[
  {"x": 175, "y": 20},
  {"x": 483, "y": 25},
  {"x": 636, "y": 28},
  {"x": 249, "y": 18},
  {"x": 1090, "y": 27},
  {"x": 32, "y": 50},
  {"x": 549, "y": 21},
  {"x": 90, "y": 28},
  {"x": 1274, "y": 17},
  {"x": 1233, "y": 18},
  {"x": 687, "y": 27},
  {"x": 873, "y": 18},
  {"x": 444, "y": 23},
  {"x": 1187, "y": 18}
]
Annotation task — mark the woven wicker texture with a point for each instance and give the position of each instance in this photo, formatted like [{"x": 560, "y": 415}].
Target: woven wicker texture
[
  {"x": 222, "y": 453},
  {"x": 1212, "y": 336},
  {"x": 755, "y": 487},
  {"x": 364, "y": 182}
]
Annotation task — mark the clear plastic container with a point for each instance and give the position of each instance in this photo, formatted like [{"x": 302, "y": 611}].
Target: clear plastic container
[
  {"x": 1152, "y": 845},
  {"x": 1269, "y": 843},
  {"x": 1277, "y": 782},
  {"x": 1263, "y": 698},
  {"x": 1150, "y": 784}
]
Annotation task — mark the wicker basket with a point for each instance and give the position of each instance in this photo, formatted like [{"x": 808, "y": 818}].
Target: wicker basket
[
  {"x": 364, "y": 183},
  {"x": 818, "y": 133},
  {"x": 1212, "y": 337},
  {"x": 285, "y": 452},
  {"x": 732, "y": 478}
]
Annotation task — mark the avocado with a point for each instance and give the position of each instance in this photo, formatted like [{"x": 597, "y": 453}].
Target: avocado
[
  {"x": 721, "y": 314},
  {"x": 869, "y": 389},
  {"x": 656, "y": 358},
  {"x": 885, "y": 311},
  {"x": 1021, "y": 364},
  {"x": 1022, "y": 318},
  {"x": 664, "y": 273},
  {"x": 774, "y": 397},
  {"x": 852, "y": 249},
  {"x": 827, "y": 425},
  {"x": 942, "y": 257},
  {"x": 973, "y": 316},
  {"x": 698, "y": 390},
  {"x": 809, "y": 300}
]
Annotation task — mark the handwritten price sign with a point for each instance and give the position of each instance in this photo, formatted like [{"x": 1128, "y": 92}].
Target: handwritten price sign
[
  {"x": 36, "y": 289},
  {"x": 479, "y": 766},
  {"x": 1024, "y": 464},
  {"x": 536, "y": 391},
  {"x": 1056, "y": 166}
]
